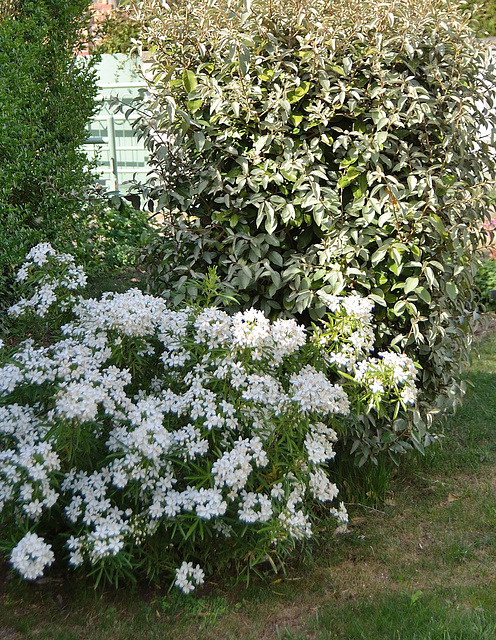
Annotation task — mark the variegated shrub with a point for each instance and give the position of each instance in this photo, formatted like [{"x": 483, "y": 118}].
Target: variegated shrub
[{"x": 307, "y": 145}]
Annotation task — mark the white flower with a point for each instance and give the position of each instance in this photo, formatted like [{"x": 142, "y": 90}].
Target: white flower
[
  {"x": 277, "y": 492},
  {"x": 287, "y": 337},
  {"x": 209, "y": 503},
  {"x": 31, "y": 556},
  {"x": 313, "y": 392},
  {"x": 403, "y": 368},
  {"x": 213, "y": 327},
  {"x": 321, "y": 487},
  {"x": 251, "y": 329},
  {"x": 254, "y": 507},
  {"x": 71, "y": 277},
  {"x": 319, "y": 443},
  {"x": 341, "y": 514},
  {"x": 358, "y": 307},
  {"x": 267, "y": 391},
  {"x": 375, "y": 385},
  {"x": 234, "y": 467},
  {"x": 332, "y": 302},
  {"x": 189, "y": 577},
  {"x": 296, "y": 523},
  {"x": 79, "y": 400},
  {"x": 409, "y": 394},
  {"x": 39, "y": 254},
  {"x": 132, "y": 313}
]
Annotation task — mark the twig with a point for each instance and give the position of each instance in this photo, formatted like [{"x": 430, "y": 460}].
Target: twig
[{"x": 365, "y": 506}]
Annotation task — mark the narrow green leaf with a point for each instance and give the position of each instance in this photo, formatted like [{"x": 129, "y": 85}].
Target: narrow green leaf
[
  {"x": 276, "y": 258},
  {"x": 244, "y": 277},
  {"x": 297, "y": 93},
  {"x": 399, "y": 307},
  {"x": 318, "y": 214},
  {"x": 189, "y": 80},
  {"x": 384, "y": 218},
  {"x": 378, "y": 255},
  {"x": 381, "y": 137},
  {"x": 244, "y": 60},
  {"x": 423, "y": 294},
  {"x": 194, "y": 105},
  {"x": 410, "y": 285},
  {"x": 452, "y": 290},
  {"x": 199, "y": 140},
  {"x": 377, "y": 299}
]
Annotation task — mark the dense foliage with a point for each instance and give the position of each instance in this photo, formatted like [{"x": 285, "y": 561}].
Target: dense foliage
[
  {"x": 117, "y": 33},
  {"x": 144, "y": 440},
  {"x": 308, "y": 145},
  {"x": 46, "y": 99},
  {"x": 484, "y": 17},
  {"x": 486, "y": 283}
]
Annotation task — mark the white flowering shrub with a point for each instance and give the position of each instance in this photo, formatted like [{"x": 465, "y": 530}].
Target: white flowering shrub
[
  {"x": 56, "y": 282},
  {"x": 381, "y": 387},
  {"x": 146, "y": 440}
]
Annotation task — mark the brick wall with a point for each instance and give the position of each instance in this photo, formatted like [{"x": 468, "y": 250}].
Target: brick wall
[
  {"x": 99, "y": 9},
  {"x": 102, "y": 7}
]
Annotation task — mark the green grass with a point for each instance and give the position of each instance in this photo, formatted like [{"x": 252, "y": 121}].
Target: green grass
[
  {"x": 418, "y": 562},
  {"x": 440, "y": 614},
  {"x": 469, "y": 436}
]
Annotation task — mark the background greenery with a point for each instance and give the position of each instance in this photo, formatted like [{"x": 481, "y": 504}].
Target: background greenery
[
  {"x": 117, "y": 33},
  {"x": 486, "y": 282},
  {"x": 484, "y": 16}
]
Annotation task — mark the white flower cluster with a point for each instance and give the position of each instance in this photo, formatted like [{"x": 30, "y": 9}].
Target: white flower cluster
[
  {"x": 68, "y": 277},
  {"x": 351, "y": 329},
  {"x": 314, "y": 393},
  {"x": 189, "y": 577},
  {"x": 353, "y": 336},
  {"x": 391, "y": 371},
  {"x": 234, "y": 467},
  {"x": 185, "y": 411},
  {"x": 27, "y": 462},
  {"x": 130, "y": 314},
  {"x": 354, "y": 305},
  {"x": 38, "y": 256},
  {"x": 319, "y": 443},
  {"x": 292, "y": 519},
  {"x": 251, "y": 329},
  {"x": 31, "y": 556},
  {"x": 321, "y": 487}
]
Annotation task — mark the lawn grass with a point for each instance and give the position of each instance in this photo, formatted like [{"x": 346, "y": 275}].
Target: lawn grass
[{"x": 418, "y": 565}]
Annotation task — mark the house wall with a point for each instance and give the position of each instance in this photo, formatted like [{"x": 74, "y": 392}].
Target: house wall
[
  {"x": 100, "y": 10},
  {"x": 120, "y": 156},
  {"x": 102, "y": 7}
]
